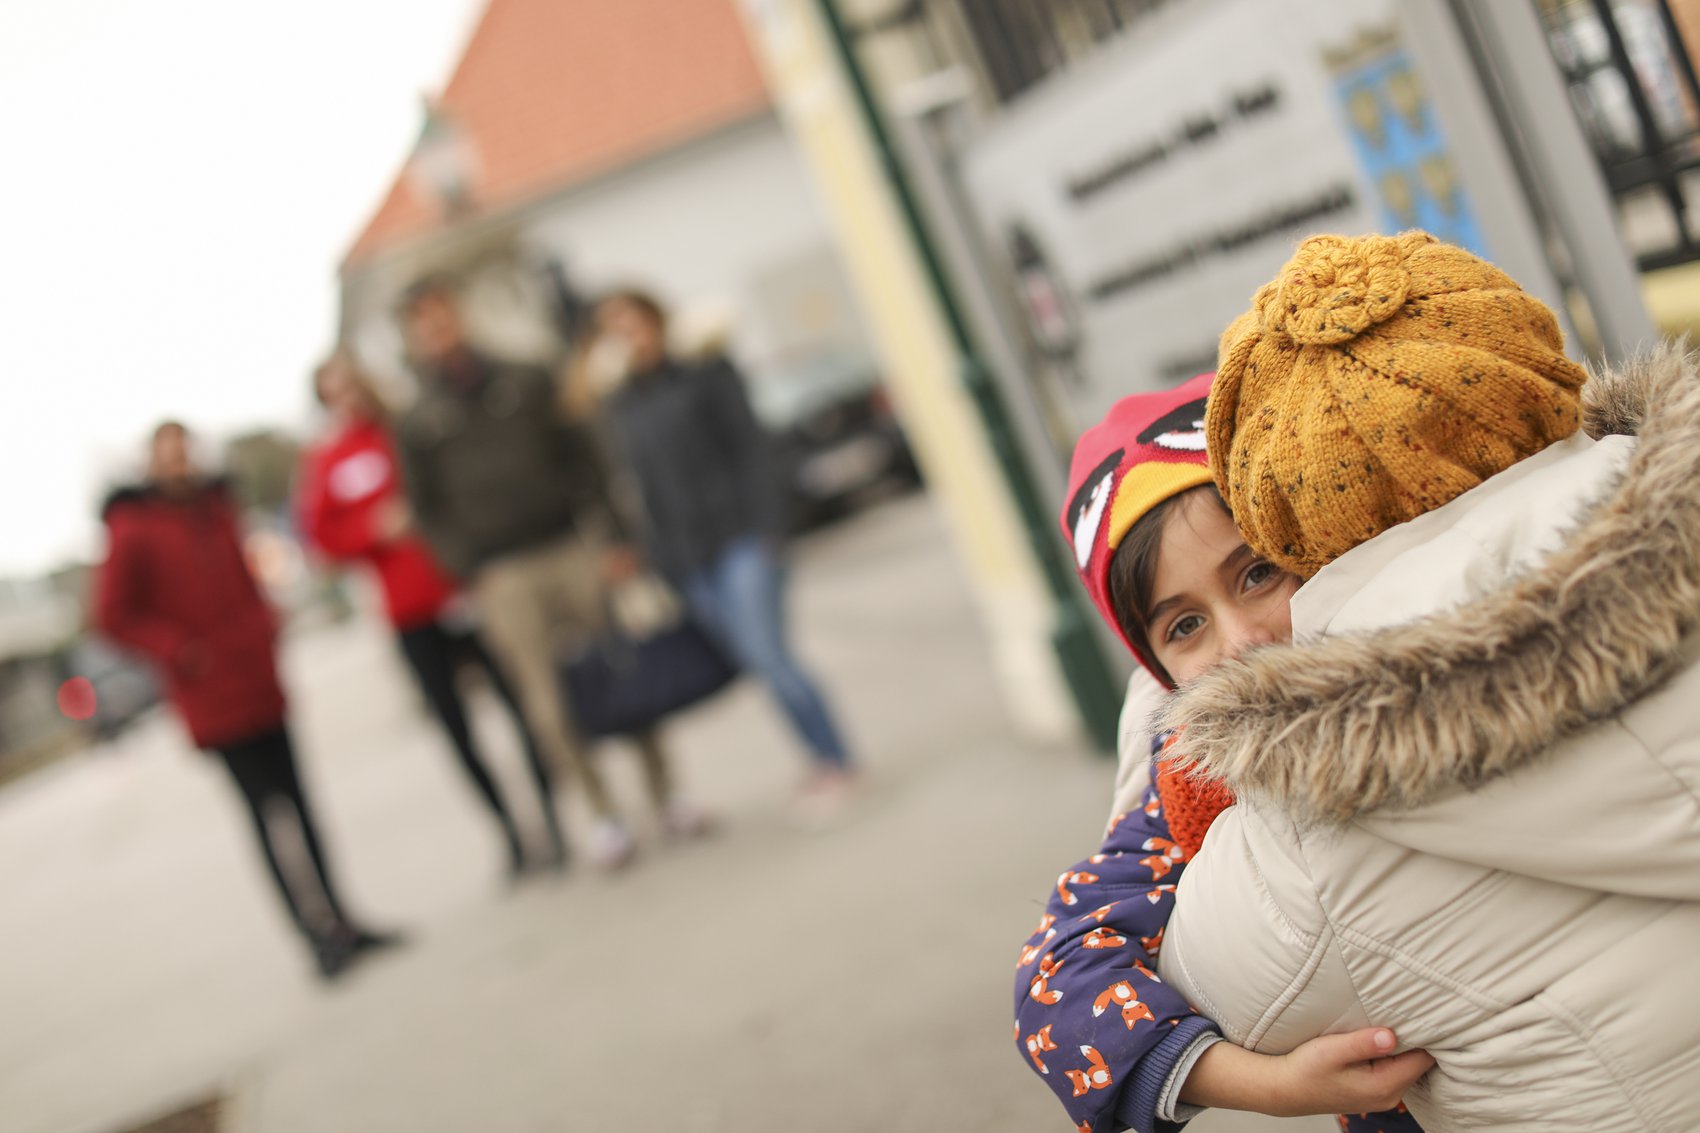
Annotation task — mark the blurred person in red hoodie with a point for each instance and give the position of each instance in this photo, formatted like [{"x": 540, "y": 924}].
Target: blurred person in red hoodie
[
  {"x": 176, "y": 589},
  {"x": 351, "y": 509}
]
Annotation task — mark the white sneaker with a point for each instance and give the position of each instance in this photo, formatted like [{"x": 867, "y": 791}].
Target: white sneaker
[
  {"x": 825, "y": 797},
  {"x": 611, "y": 844},
  {"x": 680, "y": 819}
]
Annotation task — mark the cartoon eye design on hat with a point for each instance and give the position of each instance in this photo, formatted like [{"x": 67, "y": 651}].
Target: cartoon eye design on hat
[
  {"x": 1087, "y": 509},
  {"x": 1180, "y": 429}
]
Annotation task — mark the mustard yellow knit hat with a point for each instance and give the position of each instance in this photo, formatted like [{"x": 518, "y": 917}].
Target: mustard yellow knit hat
[{"x": 1373, "y": 380}]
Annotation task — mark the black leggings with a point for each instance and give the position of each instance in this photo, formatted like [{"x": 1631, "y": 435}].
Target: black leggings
[
  {"x": 435, "y": 653},
  {"x": 264, "y": 770}
]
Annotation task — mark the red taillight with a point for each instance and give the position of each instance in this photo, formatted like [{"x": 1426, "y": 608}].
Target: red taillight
[{"x": 77, "y": 698}]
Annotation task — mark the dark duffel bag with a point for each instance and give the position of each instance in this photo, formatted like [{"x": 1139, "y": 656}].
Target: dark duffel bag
[{"x": 625, "y": 683}]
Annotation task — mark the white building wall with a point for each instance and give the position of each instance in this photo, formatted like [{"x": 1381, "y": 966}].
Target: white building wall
[
  {"x": 726, "y": 229},
  {"x": 698, "y": 227}
]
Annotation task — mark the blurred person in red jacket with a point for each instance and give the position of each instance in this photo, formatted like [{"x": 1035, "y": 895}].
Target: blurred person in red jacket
[
  {"x": 351, "y": 509},
  {"x": 176, "y": 589}
]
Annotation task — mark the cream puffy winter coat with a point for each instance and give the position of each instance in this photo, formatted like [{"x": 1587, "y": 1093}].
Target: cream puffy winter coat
[{"x": 1470, "y": 791}]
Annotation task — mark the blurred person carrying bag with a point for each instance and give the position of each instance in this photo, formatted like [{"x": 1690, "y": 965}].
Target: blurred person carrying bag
[
  {"x": 651, "y": 661},
  {"x": 713, "y": 495}
]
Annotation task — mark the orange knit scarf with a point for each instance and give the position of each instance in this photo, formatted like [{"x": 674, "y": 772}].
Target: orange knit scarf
[{"x": 1190, "y": 804}]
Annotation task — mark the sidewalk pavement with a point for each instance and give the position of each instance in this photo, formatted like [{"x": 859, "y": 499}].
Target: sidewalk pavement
[{"x": 766, "y": 978}]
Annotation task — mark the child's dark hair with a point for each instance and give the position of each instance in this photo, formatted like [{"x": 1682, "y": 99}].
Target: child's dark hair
[{"x": 1133, "y": 572}]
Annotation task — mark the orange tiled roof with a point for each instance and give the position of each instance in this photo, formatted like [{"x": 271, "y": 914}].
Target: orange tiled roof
[{"x": 551, "y": 92}]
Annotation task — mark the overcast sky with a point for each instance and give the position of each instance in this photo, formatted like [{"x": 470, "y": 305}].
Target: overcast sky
[{"x": 181, "y": 179}]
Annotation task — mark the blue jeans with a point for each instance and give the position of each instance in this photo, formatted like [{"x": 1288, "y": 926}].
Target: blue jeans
[{"x": 739, "y": 599}]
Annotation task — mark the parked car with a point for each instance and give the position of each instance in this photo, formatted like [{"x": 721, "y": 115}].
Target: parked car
[{"x": 836, "y": 437}]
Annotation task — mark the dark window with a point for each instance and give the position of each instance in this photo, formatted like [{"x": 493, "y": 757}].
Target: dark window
[
  {"x": 1632, "y": 84},
  {"x": 1024, "y": 41}
]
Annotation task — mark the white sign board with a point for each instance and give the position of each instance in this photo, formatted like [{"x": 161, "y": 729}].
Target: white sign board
[{"x": 1140, "y": 200}]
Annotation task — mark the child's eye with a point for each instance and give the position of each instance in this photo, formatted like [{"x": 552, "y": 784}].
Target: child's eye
[
  {"x": 1259, "y": 574},
  {"x": 1182, "y": 628}
]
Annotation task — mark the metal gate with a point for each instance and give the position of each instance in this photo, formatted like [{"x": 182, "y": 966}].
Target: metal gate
[{"x": 1632, "y": 84}]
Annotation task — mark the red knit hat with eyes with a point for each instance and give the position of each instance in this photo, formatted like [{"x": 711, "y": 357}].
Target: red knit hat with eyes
[{"x": 1148, "y": 448}]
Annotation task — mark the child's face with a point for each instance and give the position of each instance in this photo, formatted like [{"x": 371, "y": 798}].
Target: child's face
[{"x": 1212, "y": 598}]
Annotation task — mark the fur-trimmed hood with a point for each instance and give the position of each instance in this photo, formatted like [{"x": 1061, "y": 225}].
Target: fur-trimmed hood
[{"x": 1334, "y": 728}]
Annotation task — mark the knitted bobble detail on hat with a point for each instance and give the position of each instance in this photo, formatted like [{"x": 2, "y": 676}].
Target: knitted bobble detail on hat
[
  {"x": 1373, "y": 380},
  {"x": 1334, "y": 289}
]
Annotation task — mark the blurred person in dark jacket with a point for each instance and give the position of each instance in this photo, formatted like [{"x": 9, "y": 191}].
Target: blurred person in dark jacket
[
  {"x": 176, "y": 589},
  {"x": 351, "y": 509},
  {"x": 515, "y": 498},
  {"x": 715, "y": 499}
]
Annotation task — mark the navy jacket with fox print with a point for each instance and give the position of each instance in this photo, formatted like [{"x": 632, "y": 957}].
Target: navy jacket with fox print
[{"x": 1091, "y": 1016}]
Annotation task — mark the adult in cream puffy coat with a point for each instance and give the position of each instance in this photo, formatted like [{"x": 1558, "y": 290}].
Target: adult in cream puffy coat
[{"x": 1470, "y": 790}]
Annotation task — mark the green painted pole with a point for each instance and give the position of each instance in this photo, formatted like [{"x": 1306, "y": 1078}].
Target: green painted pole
[{"x": 1090, "y": 679}]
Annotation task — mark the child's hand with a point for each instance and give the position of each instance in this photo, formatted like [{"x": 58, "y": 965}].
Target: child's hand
[
  {"x": 621, "y": 564},
  {"x": 1349, "y": 1073}
]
